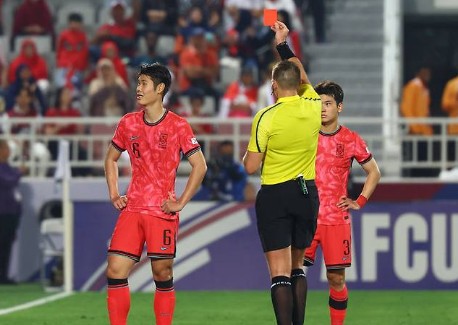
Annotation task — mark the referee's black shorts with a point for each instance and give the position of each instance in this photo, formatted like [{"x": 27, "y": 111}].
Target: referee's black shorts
[{"x": 285, "y": 216}]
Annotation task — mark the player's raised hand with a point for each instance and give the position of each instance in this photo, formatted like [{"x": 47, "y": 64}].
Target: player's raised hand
[
  {"x": 119, "y": 202},
  {"x": 346, "y": 203},
  {"x": 281, "y": 31}
]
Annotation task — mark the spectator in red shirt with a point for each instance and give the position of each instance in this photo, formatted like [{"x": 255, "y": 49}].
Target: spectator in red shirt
[
  {"x": 121, "y": 30},
  {"x": 34, "y": 61},
  {"x": 198, "y": 65},
  {"x": 110, "y": 52},
  {"x": 23, "y": 107},
  {"x": 240, "y": 98},
  {"x": 64, "y": 108},
  {"x": 32, "y": 17},
  {"x": 72, "y": 53}
]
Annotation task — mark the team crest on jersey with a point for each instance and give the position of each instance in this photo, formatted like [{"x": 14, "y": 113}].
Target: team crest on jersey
[
  {"x": 194, "y": 141},
  {"x": 163, "y": 140},
  {"x": 340, "y": 150}
]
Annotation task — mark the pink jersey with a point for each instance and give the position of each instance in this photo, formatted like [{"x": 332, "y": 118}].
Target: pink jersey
[
  {"x": 155, "y": 151},
  {"x": 335, "y": 155}
]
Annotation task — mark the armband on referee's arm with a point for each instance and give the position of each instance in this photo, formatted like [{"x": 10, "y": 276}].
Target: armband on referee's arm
[
  {"x": 284, "y": 51},
  {"x": 361, "y": 201}
]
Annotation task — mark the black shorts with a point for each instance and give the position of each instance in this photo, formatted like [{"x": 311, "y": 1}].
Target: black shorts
[{"x": 285, "y": 216}]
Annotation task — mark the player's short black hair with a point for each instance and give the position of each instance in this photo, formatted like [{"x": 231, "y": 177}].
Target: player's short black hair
[
  {"x": 159, "y": 73},
  {"x": 287, "y": 75},
  {"x": 330, "y": 88}
]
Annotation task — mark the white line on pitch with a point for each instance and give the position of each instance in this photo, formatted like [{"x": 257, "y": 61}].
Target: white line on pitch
[{"x": 35, "y": 303}]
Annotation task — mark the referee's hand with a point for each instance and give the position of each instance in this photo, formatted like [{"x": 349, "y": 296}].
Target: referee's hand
[{"x": 281, "y": 32}]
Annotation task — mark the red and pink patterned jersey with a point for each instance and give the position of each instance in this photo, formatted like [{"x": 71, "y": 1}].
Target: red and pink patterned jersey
[
  {"x": 155, "y": 150},
  {"x": 335, "y": 155}
]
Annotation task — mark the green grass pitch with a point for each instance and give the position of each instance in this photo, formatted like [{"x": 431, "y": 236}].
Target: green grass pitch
[{"x": 235, "y": 307}]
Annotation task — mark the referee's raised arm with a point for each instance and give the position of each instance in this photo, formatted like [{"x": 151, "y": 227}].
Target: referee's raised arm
[{"x": 281, "y": 33}]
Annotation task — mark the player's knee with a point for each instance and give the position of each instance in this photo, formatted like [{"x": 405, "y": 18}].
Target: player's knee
[
  {"x": 117, "y": 270},
  {"x": 336, "y": 280},
  {"x": 162, "y": 271}
]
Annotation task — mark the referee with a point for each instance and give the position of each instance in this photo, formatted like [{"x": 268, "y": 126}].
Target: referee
[{"x": 284, "y": 139}]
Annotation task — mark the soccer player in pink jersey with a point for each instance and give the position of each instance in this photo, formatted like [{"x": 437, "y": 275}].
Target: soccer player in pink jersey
[
  {"x": 338, "y": 146},
  {"x": 155, "y": 139}
]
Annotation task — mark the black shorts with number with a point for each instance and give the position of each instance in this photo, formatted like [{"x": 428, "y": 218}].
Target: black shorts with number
[{"x": 285, "y": 216}]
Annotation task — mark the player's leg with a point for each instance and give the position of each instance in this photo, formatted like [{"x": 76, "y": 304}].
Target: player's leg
[
  {"x": 161, "y": 235},
  {"x": 310, "y": 254},
  {"x": 125, "y": 250},
  {"x": 336, "y": 246},
  {"x": 279, "y": 263},
  {"x": 338, "y": 296},
  {"x": 118, "y": 293},
  {"x": 164, "y": 297}
]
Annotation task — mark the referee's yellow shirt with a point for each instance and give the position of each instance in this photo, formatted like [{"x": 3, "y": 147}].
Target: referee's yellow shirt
[{"x": 287, "y": 132}]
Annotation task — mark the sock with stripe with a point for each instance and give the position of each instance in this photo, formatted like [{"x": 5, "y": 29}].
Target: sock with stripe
[
  {"x": 282, "y": 299},
  {"x": 164, "y": 302},
  {"x": 118, "y": 301},
  {"x": 338, "y": 305},
  {"x": 299, "y": 288}
]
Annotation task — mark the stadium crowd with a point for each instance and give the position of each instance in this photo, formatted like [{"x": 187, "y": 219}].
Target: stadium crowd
[{"x": 63, "y": 63}]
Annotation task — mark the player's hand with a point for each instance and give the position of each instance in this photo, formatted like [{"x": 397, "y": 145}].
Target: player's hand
[
  {"x": 346, "y": 203},
  {"x": 119, "y": 202},
  {"x": 171, "y": 205},
  {"x": 281, "y": 32}
]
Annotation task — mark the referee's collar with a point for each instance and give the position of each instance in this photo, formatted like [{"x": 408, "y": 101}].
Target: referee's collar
[{"x": 288, "y": 99}]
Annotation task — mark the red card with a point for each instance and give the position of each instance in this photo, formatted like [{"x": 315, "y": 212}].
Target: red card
[{"x": 270, "y": 17}]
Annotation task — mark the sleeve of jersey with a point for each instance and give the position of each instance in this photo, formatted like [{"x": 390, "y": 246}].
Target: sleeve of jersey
[
  {"x": 188, "y": 141},
  {"x": 308, "y": 92},
  {"x": 362, "y": 153},
  {"x": 118, "y": 139},
  {"x": 259, "y": 133}
]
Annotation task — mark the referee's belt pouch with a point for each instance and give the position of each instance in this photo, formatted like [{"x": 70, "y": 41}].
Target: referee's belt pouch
[{"x": 302, "y": 185}]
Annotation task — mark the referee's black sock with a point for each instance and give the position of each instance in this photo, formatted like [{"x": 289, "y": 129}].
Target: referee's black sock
[
  {"x": 299, "y": 288},
  {"x": 282, "y": 299}
]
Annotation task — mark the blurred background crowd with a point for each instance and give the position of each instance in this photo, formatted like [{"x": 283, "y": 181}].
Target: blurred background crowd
[{"x": 80, "y": 58}]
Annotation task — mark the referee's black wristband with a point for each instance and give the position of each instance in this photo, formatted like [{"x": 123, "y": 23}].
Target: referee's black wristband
[{"x": 284, "y": 51}]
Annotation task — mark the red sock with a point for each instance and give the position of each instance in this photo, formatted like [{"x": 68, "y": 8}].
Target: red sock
[
  {"x": 164, "y": 302},
  {"x": 118, "y": 301},
  {"x": 338, "y": 305}
]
